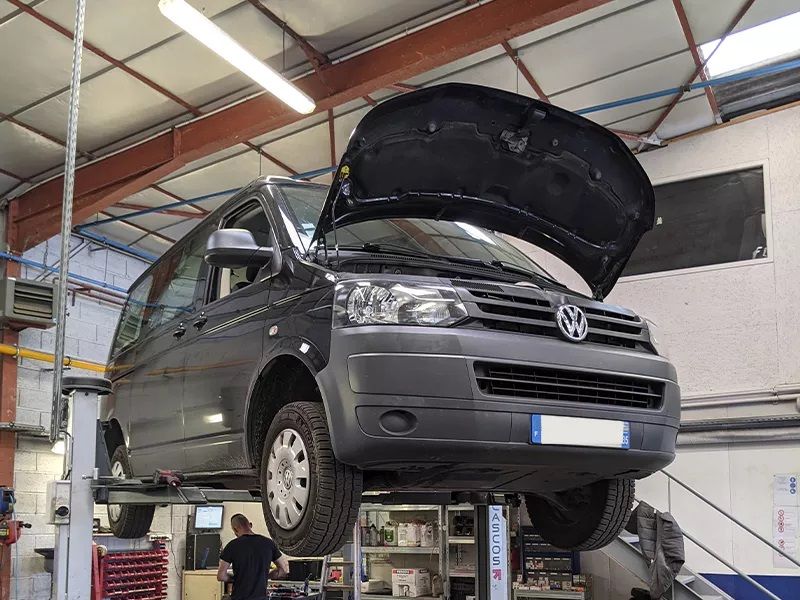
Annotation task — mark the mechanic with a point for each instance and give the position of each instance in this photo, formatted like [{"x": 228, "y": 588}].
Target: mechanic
[{"x": 250, "y": 555}]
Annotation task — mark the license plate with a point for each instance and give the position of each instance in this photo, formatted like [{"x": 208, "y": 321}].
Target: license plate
[{"x": 553, "y": 430}]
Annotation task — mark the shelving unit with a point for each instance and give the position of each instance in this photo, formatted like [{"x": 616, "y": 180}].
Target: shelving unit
[{"x": 400, "y": 549}]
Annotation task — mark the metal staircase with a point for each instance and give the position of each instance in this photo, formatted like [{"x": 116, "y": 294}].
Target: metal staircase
[{"x": 626, "y": 553}]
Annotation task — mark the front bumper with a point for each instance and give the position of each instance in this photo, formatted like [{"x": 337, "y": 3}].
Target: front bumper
[{"x": 444, "y": 432}]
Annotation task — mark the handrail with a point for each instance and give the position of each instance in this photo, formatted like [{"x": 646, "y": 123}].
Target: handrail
[
  {"x": 743, "y": 575},
  {"x": 731, "y": 517}
]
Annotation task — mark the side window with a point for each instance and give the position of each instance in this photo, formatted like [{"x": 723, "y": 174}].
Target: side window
[
  {"x": 180, "y": 280},
  {"x": 253, "y": 218},
  {"x": 131, "y": 322}
]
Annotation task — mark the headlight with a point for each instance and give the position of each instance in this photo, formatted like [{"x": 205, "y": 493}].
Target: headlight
[
  {"x": 395, "y": 303},
  {"x": 657, "y": 339}
]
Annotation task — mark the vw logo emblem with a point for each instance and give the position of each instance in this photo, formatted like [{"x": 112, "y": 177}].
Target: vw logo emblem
[{"x": 572, "y": 322}]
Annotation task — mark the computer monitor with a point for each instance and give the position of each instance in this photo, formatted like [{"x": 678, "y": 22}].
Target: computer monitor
[{"x": 208, "y": 517}]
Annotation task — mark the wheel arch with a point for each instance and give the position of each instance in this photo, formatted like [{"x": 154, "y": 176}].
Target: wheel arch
[{"x": 287, "y": 375}]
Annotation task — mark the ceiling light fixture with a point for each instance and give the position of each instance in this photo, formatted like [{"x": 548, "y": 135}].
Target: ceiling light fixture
[{"x": 203, "y": 30}]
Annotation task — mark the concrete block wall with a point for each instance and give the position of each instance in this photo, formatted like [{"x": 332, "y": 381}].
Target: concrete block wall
[{"x": 89, "y": 331}]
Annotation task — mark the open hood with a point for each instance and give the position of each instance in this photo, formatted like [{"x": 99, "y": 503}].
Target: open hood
[{"x": 501, "y": 161}]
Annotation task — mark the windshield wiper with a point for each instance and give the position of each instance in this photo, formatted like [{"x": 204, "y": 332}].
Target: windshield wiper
[{"x": 512, "y": 268}]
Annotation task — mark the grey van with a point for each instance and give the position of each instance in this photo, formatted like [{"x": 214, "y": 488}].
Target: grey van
[{"x": 385, "y": 333}]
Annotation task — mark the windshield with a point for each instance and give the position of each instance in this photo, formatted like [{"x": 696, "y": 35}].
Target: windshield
[{"x": 428, "y": 236}]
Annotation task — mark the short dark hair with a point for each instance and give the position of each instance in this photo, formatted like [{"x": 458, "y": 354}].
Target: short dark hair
[{"x": 239, "y": 520}]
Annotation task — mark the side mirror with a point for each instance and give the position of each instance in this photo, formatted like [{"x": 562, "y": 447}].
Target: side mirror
[{"x": 236, "y": 248}]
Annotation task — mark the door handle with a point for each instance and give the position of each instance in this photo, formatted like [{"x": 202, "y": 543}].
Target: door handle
[
  {"x": 179, "y": 332},
  {"x": 200, "y": 322}
]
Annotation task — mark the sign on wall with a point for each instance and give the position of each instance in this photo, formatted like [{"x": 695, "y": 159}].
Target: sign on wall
[
  {"x": 498, "y": 554},
  {"x": 785, "y": 513}
]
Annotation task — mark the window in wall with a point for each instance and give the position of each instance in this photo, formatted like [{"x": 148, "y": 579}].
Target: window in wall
[
  {"x": 704, "y": 221},
  {"x": 254, "y": 219},
  {"x": 132, "y": 320},
  {"x": 179, "y": 280}
]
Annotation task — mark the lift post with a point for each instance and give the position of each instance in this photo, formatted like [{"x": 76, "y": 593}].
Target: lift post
[
  {"x": 492, "y": 580},
  {"x": 73, "y": 549}
]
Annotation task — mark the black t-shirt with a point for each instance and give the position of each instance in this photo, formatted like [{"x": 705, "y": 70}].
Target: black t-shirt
[{"x": 250, "y": 556}]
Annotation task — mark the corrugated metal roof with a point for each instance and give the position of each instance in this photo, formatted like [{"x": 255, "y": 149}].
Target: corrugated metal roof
[{"x": 621, "y": 49}]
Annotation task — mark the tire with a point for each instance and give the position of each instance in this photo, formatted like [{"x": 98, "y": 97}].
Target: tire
[
  {"x": 128, "y": 521},
  {"x": 298, "y": 464},
  {"x": 585, "y": 518}
]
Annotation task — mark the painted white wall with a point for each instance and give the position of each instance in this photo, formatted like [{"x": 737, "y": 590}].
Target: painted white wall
[{"x": 729, "y": 328}]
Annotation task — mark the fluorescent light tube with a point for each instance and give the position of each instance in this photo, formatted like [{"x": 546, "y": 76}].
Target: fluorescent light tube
[{"x": 204, "y": 31}]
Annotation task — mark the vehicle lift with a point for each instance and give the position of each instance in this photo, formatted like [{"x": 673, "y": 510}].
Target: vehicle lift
[{"x": 72, "y": 504}]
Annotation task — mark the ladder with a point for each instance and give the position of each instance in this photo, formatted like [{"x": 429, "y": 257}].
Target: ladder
[{"x": 351, "y": 578}]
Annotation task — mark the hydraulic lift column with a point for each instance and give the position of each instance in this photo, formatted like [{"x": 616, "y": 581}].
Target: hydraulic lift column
[
  {"x": 492, "y": 571},
  {"x": 72, "y": 568}
]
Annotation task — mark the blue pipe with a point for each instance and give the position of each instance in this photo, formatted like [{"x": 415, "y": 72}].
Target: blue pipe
[
  {"x": 766, "y": 70},
  {"x": 100, "y": 239},
  {"x": 155, "y": 209},
  {"x": 47, "y": 268}
]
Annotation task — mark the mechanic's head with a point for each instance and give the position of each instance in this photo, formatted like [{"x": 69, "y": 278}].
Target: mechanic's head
[{"x": 241, "y": 525}]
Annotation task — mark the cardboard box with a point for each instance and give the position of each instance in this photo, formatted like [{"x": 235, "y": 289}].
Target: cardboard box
[{"x": 411, "y": 583}]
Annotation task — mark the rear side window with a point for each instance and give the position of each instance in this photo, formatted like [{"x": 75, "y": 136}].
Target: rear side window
[{"x": 131, "y": 322}]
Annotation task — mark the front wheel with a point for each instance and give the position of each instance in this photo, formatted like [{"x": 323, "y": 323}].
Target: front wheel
[
  {"x": 127, "y": 521},
  {"x": 584, "y": 518},
  {"x": 310, "y": 499}
]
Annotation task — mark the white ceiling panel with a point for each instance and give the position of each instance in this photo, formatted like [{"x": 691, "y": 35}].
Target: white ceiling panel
[
  {"x": 25, "y": 153},
  {"x": 7, "y": 183},
  {"x": 193, "y": 72},
  {"x": 288, "y": 130},
  {"x": 343, "y": 127},
  {"x": 304, "y": 151},
  {"x": 605, "y": 11},
  {"x": 112, "y": 106},
  {"x": 149, "y": 197},
  {"x": 435, "y": 75},
  {"x": 36, "y": 61},
  {"x": 651, "y": 28},
  {"x": 499, "y": 72},
  {"x": 666, "y": 73},
  {"x": 123, "y": 27},
  {"x": 709, "y": 20},
  {"x": 235, "y": 172},
  {"x": 331, "y": 25},
  {"x": 206, "y": 160},
  {"x": 179, "y": 229},
  {"x": 687, "y": 116}
]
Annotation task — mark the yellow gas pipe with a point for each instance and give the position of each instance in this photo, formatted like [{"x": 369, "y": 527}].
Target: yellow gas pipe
[{"x": 16, "y": 351}]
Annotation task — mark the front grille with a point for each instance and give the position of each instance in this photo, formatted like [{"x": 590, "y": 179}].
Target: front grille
[
  {"x": 530, "y": 311},
  {"x": 542, "y": 383},
  {"x": 33, "y": 299}
]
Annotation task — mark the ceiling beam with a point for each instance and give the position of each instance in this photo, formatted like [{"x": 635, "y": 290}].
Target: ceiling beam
[
  {"x": 108, "y": 180},
  {"x": 144, "y": 230},
  {"x": 663, "y": 117},
  {"x": 698, "y": 62},
  {"x": 271, "y": 158},
  {"x": 105, "y": 56},
  {"x": 14, "y": 176},
  {"x": 165, "y": 211},
  {"x": 177, "y": 198},
  {"x": 314, "y": 56},
  {"x": 514, "y": 56}
]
